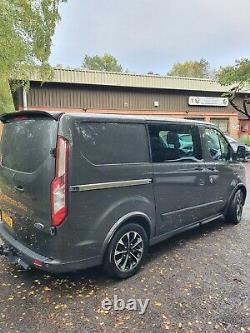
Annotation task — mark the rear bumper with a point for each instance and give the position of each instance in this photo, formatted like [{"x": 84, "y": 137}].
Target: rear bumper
[{"x": 18, "y": 253}]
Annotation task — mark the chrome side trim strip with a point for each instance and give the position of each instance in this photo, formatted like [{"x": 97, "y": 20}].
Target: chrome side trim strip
[{"x": 101, "y": 186}]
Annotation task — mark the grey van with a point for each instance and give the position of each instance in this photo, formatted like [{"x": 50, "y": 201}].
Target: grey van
[{"x": 79, "y": 189}]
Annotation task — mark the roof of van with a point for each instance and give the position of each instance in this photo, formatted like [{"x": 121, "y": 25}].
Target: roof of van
[
  {"x": 132, "y": 118},
  {"x": 105, "y": 116}
]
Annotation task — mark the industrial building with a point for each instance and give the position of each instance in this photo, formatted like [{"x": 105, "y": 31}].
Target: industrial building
[{"x": 105, "y": 92}]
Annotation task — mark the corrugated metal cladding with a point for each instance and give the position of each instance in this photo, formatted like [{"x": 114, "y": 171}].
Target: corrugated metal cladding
[
  {"x": 130, "y": 80},
  {"x": 103, "y": 97}
]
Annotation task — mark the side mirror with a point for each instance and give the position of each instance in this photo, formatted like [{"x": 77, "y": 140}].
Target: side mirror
[{"x": 241, "y": 153}]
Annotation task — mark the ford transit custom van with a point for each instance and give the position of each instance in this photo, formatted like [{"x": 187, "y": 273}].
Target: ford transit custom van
[{"x": 80, "y": 189}]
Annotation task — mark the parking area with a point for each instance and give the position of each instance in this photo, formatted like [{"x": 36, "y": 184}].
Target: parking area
[{"x": 196, "y": 282}]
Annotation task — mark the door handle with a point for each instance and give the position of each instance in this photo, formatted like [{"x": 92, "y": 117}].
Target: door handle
[{"x": 19, "y": 188}]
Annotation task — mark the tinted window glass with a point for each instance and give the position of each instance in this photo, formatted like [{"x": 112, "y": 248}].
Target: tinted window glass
[
  {"x": 174, "y": 142},
  {"x": 113, "y": 143},
  {"x": 217, "y": 145},
  {"x": 26, "y": 144},
  {"x": 225, "y": 149}
]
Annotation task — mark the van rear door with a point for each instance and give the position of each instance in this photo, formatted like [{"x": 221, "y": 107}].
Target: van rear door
[{"x": 27, "y": 168}]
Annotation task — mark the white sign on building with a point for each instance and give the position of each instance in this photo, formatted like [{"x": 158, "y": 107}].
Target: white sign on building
[{"x": 208, "y": 101}]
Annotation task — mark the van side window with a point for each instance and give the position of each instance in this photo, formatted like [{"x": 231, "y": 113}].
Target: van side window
[
  {"x": 218, "y": 147},
  {"x": 174, "y": 143},
  {"x": 112, "y": 143}
]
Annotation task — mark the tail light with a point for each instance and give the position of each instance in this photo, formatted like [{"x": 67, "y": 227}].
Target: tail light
[{"x": 59, "y": 191}]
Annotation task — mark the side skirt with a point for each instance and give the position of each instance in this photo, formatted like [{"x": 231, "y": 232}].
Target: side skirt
[{"x": 167, "y": 235}]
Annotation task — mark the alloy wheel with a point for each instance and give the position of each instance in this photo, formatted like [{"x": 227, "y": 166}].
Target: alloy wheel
[
  {"x": 239, "y": 205},
  {"x": 129, "y": 251}
]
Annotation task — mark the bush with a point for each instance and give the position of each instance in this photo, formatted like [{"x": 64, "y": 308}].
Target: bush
[{"x": 245, "y": 141}]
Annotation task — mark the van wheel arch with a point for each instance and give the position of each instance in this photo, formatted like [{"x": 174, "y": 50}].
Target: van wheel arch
[
  {"x": 242, "y": 188},
  {"x": 239, "y": 187},
  {"x": 126, "y": 250},
  {"x": 140, "y": 219},
  {"x": 235, "y": 208}
]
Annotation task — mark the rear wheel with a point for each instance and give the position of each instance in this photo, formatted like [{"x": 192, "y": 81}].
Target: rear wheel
[
  {"x": 126, "y": 251},
  {"x": 234, "y": 214}
]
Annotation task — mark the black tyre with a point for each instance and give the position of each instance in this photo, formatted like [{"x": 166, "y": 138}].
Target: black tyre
[
  {"x": 126, "y": 251},
  {"x": 235, "y": 209}
]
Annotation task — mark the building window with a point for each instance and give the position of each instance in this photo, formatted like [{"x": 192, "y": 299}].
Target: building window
[
  {"x": 221, "y": 123},
  {"x": 244, "y": 126}
]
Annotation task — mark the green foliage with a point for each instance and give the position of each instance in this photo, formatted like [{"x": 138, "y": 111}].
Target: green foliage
[
  {"x": 197, "y": 69},
  {"x": 245, "y": 141},
  {"x": 26, "y": 31},
  {"x": 106, "y": 63},
  {"x": 238, "y": 74},
  {"x": 6, "y": 102}
]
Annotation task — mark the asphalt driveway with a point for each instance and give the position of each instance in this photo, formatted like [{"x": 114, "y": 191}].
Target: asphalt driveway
[{"x": 196, "y": 282}]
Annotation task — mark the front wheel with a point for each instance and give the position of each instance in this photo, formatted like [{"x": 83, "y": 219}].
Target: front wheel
[
  {"x": 234, "y": 214},
  {"x": 126, "y": 251}
]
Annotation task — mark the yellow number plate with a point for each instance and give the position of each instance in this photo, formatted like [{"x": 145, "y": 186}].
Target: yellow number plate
[{"x": 7, "y": 219}]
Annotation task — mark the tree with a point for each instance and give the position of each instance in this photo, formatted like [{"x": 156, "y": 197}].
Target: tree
[
  {"x": 26, "y": 31},
  {"x": 238, "y": 76},
  {"x": 106, "y": 63},
  {"x": 6, "y": 102},
  {"x": 199, "y": 69}
]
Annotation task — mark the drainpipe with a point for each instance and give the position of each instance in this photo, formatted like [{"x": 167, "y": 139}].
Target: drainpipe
[{"x": 25, "y": 99}]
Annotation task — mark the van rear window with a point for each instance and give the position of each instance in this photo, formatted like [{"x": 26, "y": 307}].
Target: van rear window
[
  {"x": 113, "y": 143},
  {"x": 26, "y": 144}
]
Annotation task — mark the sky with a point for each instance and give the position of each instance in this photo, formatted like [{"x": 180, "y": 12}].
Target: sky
[{"x": 152, "y": 35}]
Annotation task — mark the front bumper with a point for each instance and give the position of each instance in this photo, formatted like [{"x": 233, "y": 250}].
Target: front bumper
[{"x": 18, "y": 253}]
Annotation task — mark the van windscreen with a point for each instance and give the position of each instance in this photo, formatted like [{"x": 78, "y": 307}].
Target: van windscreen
[{"x": 26, "y": 144}]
